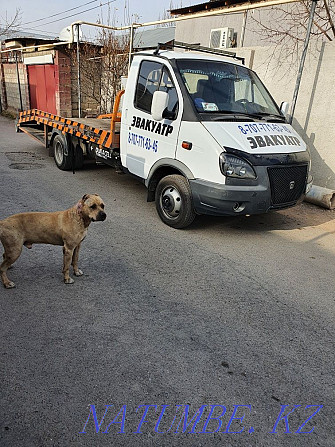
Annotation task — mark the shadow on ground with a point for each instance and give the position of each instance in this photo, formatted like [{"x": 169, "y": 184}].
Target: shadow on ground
[{"x": 301, "y": 216}]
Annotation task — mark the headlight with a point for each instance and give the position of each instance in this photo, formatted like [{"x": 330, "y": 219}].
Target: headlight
[{"x": 232, "y": 166}]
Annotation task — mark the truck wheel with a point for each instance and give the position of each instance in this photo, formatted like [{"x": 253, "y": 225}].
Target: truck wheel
[
  {"x": 174, "y": 201},
  {"x": 62, "y": 155}
]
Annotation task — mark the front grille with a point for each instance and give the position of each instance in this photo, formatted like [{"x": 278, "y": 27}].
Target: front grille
[{"x": 287, "y": 183}]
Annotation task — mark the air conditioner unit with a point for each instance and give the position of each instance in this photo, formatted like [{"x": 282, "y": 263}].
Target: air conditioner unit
[{"x": 221, "y": 38}]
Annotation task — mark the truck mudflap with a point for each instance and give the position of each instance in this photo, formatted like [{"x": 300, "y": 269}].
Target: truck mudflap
[
  {"x": 276, "y": 187},
  {"x": 109, "y": 157}
]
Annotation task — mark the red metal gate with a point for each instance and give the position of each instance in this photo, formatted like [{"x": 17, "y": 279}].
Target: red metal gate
[{"x": 42, "y": 87}]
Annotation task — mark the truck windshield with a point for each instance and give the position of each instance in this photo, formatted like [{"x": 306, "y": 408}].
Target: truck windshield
[{"x": 220, "y": 87}]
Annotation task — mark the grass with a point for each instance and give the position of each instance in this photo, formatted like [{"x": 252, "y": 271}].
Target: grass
[{"x": 9, "y": 114}]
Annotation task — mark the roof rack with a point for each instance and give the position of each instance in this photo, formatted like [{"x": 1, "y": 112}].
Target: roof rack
[{"x": 196, "y": 47}]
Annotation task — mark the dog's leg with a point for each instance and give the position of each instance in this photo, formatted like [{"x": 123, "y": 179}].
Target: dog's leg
[
  {"x": 68, "y": 253},
  {"x": 11, "y": 266},
  {"x": 75, "y": 258},
  {"x": 10, "y": 255}
]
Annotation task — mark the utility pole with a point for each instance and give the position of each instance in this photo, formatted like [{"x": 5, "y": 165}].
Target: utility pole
[
  {"x": 302, "y": 60},
  {"x": 78, "y": 71},
  {"x": 131, "y": 43},
  {"x": 18, "y": 81}
]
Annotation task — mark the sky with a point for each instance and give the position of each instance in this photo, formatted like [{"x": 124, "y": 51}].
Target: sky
[{"x": 122, "y": 12}]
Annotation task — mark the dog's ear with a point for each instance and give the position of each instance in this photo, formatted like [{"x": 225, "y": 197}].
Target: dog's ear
[{"x": 85, "y": 197}]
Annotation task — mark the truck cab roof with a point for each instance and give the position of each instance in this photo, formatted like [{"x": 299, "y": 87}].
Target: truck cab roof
[{"x": 170, "y": 54}]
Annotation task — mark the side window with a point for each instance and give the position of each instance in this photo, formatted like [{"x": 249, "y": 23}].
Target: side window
[
  {"x": 153, "y": 76},
  {"x": 166, "y": 85},
  {"x": 259, "y": 99},
  {"x": 147, "y": 84}
]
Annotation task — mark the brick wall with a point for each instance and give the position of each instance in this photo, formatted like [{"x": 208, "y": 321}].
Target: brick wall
[
  {"x": 90, "y": 76},
  {"x": 66, "y": 83},
  {"x": 63, "y": 84}
]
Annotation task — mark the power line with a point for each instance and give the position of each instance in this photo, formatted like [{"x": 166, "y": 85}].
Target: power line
[
  {"x": 80, "y": 12},
  {"x": 59, "y": 13},
  {"x": 28, "y": 30}
]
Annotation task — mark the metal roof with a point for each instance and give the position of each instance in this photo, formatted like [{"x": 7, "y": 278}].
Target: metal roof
[
  {"x": 151, "y": 37},
  {"x": 14, "y": 34}
]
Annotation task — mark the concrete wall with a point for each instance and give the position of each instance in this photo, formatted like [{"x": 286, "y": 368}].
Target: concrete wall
[
  {"x": 278, "y": 69},
  {"x": 315, "y": 109},
  {"x": 10, "y": 96},
  {"x": 198, "y": 30}
]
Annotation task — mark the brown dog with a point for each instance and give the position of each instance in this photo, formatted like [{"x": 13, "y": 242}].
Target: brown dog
[{"x": 67, "y": 228}]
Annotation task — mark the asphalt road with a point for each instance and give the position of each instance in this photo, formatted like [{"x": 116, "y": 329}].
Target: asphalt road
[{"x": 229, "y": 312}]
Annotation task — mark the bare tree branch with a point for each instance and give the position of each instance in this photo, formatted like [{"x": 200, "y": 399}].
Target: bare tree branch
[
  {"x": 7, "y": 24},
  {"x": 102, "y": 65},
  {"x": 291, "y": 21},
  {"x": 285, "y": 28},
  {"x": 331, "y": 22}
]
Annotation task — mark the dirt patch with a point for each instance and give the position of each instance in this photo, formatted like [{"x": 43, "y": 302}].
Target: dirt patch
[
  {"x": 23, "y": 157},
  {"x": 311, "y": 215},
  {"x": 24, "y": 161},
  {"x": 26, "y": 166}
]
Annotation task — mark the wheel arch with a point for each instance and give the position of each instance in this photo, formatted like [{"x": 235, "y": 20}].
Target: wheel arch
[{"x": 162, "y": 168}]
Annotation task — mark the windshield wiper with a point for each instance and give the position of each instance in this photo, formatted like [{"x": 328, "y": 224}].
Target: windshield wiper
[
  {"x": 228, "y": 114},
  {"x": 270, "y": 115},
  {"x": 231, "y": 114}
]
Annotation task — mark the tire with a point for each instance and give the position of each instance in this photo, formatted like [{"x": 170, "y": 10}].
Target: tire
[
  {"x": 62, "y": 155},
  {"x": 174, "y": 201}
]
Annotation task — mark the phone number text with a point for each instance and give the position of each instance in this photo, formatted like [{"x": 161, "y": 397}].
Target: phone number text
[{"x": 143, "y": 142}]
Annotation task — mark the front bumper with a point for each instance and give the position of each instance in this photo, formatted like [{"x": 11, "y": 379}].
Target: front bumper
[{"x": 276, "y": 187}]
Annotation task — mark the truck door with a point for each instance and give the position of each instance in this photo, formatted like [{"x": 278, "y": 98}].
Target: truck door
[{"x": 148, "y": 140}]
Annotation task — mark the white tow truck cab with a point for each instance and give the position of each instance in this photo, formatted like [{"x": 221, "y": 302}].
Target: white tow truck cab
[
  {"x": 199, "y": 129},
  {"x": 206, "y": 137}
]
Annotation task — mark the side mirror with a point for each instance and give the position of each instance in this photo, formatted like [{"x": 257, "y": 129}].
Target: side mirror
[
  {"x": 160, "y": 101},
  {"x": 284, "y": 108}
]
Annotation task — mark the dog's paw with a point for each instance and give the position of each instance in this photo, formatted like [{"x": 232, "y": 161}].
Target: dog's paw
[
  {"x": 69, "y": 281},
  {"x": 78, "y": 272},
  {"x": 10, "y": 285}
]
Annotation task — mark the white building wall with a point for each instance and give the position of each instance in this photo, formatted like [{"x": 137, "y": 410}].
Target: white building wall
[
  {"x": 315, "y": 110},
  {"x": 198, "y": 30}
]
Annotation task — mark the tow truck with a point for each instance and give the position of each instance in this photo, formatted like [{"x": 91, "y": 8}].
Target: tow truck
[{"x": 197, "y": 127}]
